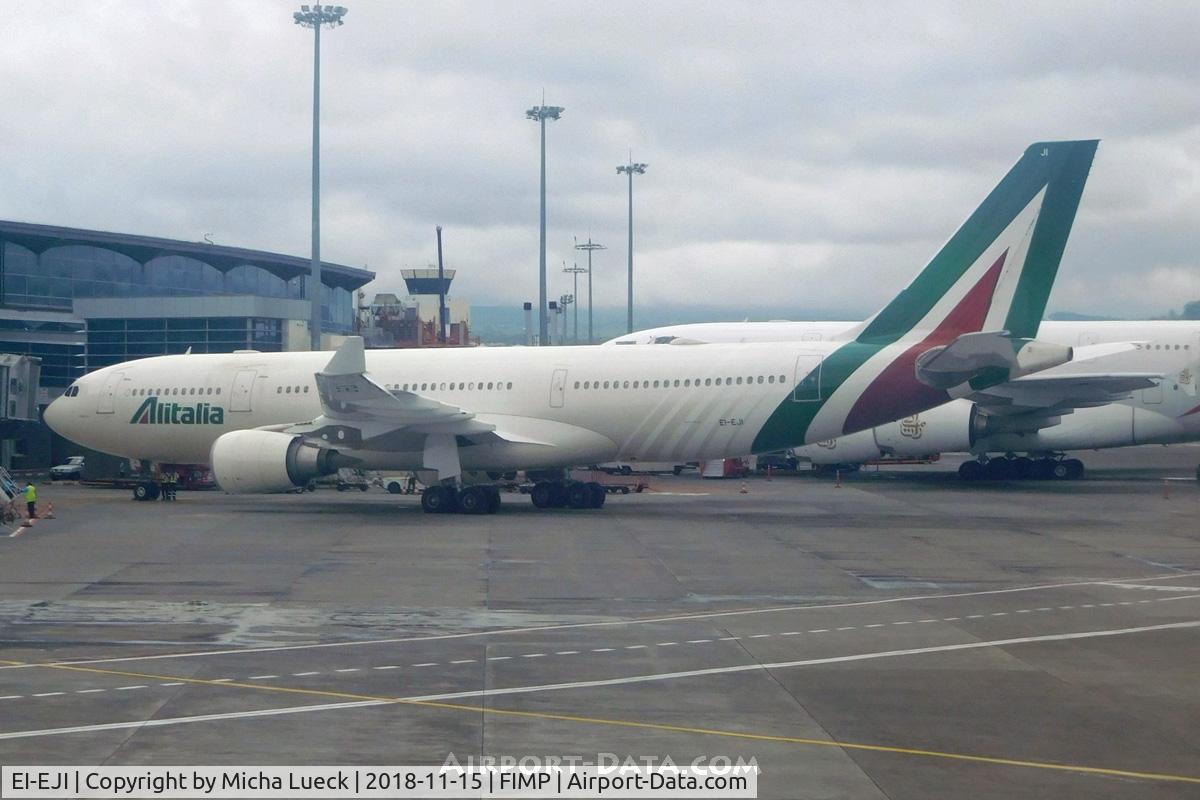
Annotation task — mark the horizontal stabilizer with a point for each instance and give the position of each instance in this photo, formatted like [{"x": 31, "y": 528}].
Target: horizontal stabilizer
[{"x": 972, "y": 354}]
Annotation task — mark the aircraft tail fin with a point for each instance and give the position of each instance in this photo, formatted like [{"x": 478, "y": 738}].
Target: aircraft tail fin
[{"x": 995, "y": 273}]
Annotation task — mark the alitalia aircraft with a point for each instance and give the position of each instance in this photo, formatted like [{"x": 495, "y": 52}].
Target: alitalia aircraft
[
  {"x": 271, "y": 421},
  {"x": 1143, "y": 394}
]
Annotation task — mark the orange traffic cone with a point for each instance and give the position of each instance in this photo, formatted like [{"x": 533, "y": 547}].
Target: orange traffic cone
[{"x": 49, "y": 511}]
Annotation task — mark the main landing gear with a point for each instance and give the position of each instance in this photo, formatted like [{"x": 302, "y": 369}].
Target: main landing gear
[
  {"x": 444, "y": 499},
  {"x": 1021, "y": 468},
  {"x": 567, "y": 494}
]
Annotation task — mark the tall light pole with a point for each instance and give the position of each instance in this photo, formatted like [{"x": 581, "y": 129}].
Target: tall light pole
[
  {"x": 629, "y": 169},
  {"x": 314, "y": 17},
  {"x": 591, "y": 247},
  {"x": 540, "y": 114},
  {"x": 575, "y": 269}
]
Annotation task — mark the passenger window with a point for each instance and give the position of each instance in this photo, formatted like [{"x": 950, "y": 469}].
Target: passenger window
[
  {"x": 783, "y": 379},
  {"x": 739, "y": 380},
  {"x": 708, "y": 381},
  {"x": 606, "y": 384},
  {"x": 676, "y": 383},
  {"x": 510, "y": 385},
  {"x": 770, "y": 379},
  {"x": 489, "y": 384},
  {"x": 760, "y": 378},
  {"x": 278, "y": 390}
]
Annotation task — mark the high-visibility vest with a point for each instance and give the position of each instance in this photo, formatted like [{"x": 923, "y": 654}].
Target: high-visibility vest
[{"x": 31, "y": 494}]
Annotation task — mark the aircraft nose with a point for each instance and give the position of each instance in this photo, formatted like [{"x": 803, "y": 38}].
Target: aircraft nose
[{"x": 55, "y": 415}]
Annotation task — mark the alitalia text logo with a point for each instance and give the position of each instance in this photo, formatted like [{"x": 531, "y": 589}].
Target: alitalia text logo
[{"x": 152, "y": 411}]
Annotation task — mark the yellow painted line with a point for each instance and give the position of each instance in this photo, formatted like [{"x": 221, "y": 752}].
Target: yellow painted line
[{"x": 657, "y": 726}]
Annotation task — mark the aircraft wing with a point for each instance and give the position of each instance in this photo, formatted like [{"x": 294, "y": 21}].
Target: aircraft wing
[{"x": 356, "y": 410}]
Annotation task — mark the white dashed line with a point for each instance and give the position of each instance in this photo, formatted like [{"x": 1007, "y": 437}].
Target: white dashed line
[
  {"x": 304, "y": 674},
  {"x": 848, "y": 628},
  {"x": 999, "y": 613},
  {"x": 49, "y": 694},
  {"x": 356, "y": 669},
  {"x": 635, "y": 647},
  {"x": 699, "y": 641},
  {"x": 944, "y": 619},
  {"x": 602, "y": 649},
  {"x": 760, "y": 636},
  {"x": 729, "y": 638},
  {"x": 387, "y": 666},
  {"x": 12, "y": 697},
  {"x": 89, "y": 691},
  {"x": 570, "y": 652},
  {"x": 874, "y": 625},
  {"x": 129, "y": 688},
  {"x": 931, "y": 619},
  {"x": 790, "y": 633},
  {"x": 459, "y": 661},
  {"x": 533, "y": 655},
  {"x": 261, "y": 677},
  {"x": 426, "y": 664},
  {"x": 819, "y": 630},
  {"x": 666, "y": 644},
  {"x": 221, "y": 680},
  {"x": 172, "y": 683},
  {"x": 494, "y": 658}
]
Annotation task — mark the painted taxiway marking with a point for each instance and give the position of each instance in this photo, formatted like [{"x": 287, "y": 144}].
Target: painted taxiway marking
[
  {"x": 361, "y": 701},
  {"x": 873, "y": 626},
  {"x": 606, "y": 623}
]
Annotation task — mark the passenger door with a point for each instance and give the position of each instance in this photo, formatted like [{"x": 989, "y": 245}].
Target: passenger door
[
  {"x": 108, "y": 393},
  {"x": 558, "y": 388},
  {"x": 808, "y": 378},
  {"x": 243, "y": 389}
]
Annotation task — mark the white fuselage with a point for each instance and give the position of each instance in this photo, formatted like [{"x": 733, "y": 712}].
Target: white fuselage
[
  {"x": 561, "y": 406},
  {"x": 1163, "y": 414}
]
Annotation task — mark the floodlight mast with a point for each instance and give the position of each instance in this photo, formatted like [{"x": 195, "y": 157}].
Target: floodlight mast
[
  {"x": 629, "y": 169},
  {"x": 590, "y": 247},
  {"x": 314, "y": 17},
  {"x": 540, "y": 114},
  {"x": 575, "y": 270}
]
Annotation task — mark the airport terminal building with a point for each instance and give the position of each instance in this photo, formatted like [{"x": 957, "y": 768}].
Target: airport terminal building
[{"x": 80, "y": 300}]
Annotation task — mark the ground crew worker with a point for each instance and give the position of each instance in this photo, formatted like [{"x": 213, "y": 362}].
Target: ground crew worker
[
  {"x": 31, "y": 499},
  {"x": 412, "y": 483}
]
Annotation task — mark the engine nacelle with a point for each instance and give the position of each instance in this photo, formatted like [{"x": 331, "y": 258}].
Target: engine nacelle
[
  {"x": 259, "y": 462},
  {"x": 951, "y": 428}
]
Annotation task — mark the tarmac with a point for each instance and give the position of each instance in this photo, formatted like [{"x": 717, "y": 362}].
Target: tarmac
[{"x": 904, "y": 635}]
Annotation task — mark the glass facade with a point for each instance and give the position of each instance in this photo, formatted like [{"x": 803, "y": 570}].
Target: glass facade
[
  {"x": 111, "y": 341},
  {"x": 61, "y": 274}
]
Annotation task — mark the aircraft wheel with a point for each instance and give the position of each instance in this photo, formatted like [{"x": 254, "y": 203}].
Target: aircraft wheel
[
  {"x": 970, "y": 470},
  {"x": 394, "y": 487},
  {"x": 1074, "y": 468},
  {"x": 473, "y": 500},
  {"x": 579, "y": 495},
  {"x": 599, "y": 495},
  {"x": 541, "y": 495},
  {"x": 1022, "y": 468},
  {"x": 437, "y": 500},
  {"x": 493, "y": 496},
  {"x": 998, "y": 469},
  {"x": 558, "y": 495},
  {"x": 1059, "y": 470}
]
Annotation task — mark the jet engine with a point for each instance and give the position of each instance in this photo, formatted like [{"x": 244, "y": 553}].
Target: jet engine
[
  {"x": 258, "y": 462},
  {"x": 952, "y": 428}
]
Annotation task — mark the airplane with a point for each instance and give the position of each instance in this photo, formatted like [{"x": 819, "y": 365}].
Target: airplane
[
  {"x": 269, "y": 422},
  {"x": 1141, "y": 395}
]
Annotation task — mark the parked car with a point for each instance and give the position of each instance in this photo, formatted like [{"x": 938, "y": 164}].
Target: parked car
[{"x": 70, "y": 471}]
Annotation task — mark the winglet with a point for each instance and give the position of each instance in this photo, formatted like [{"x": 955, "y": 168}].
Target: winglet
[{"x": 349, "y": 359}]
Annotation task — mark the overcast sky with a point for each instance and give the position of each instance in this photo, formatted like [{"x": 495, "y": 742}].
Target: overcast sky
[{"x": 815, "y": 154}]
